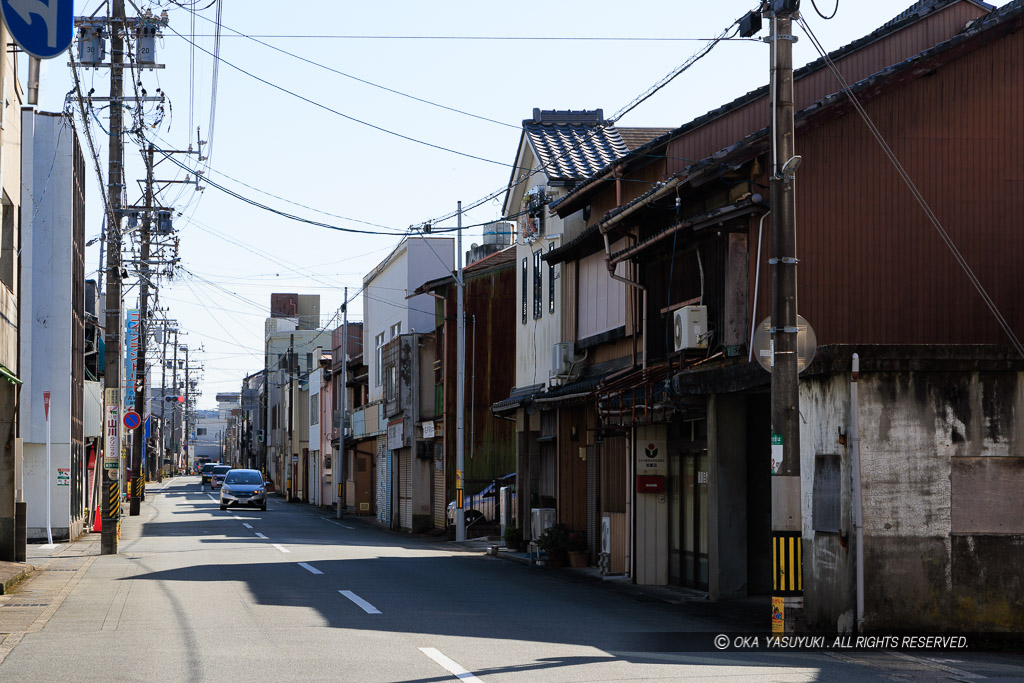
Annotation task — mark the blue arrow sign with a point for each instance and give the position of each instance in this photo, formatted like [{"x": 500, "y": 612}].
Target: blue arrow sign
[{"x": 43, "y": 28}]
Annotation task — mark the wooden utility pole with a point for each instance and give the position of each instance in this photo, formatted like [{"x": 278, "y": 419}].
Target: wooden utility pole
[
  {"x": 115, "y": 187},
  {"x": 786, "y": 537},
  {"x": 139, "y": 440}
]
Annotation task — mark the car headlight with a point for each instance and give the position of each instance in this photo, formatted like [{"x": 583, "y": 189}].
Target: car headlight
[{"x": 225, "y": 489}]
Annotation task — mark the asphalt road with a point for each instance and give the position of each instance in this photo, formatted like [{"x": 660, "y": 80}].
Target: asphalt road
[{"x": 199, "y": 594}]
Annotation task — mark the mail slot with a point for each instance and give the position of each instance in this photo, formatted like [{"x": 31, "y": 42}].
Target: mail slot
[{"x": 650, "y": 483}]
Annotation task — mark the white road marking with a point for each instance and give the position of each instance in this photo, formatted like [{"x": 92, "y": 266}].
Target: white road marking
[
  {"x": 247, "y": 525},
  {"x": 260, "y": 535},
  {"x": 210, "y": 496},
  {"x": 367, "y": 607},
  {"x": 348, "y": 527},
  {"x": 450, "y": 666},
  {"x": 310, "y": 568},
  {"x": 281, "y": 548},
  {"x": 326, "y": 519}
]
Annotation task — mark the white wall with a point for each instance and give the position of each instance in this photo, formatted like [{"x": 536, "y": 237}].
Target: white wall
[
  {"x": 46, "y": 302},
  {"x": 315, "y": 381},
  {"x": 416, "y": 261}
]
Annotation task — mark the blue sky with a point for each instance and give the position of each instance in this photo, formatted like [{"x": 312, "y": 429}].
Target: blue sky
[{"x": 235, "y": 255}]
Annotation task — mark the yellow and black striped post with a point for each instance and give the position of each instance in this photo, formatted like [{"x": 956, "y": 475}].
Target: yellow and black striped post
[{"x": 114, "y": 500}]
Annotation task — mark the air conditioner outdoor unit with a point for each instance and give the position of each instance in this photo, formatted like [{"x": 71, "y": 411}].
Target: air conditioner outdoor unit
[
  {"x": 606, "y": 534},
  {"x": 690, "y": 325},
  {"x": 561, "y": 359}
]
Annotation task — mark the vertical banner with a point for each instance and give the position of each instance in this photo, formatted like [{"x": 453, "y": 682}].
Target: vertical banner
[
  {"x": 131, "y": 359},
  {"x": 111, "y": 430}
]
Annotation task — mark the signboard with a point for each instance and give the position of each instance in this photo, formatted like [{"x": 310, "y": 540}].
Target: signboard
[
  {"x": 651, "y": 458},
  {"x": 111, "y": 429},
  {"x": 131, "y": 419},
  {"x": 46, "y": 403},
  {"x": 776, "y": 453},
  {"x": 131, "y": 360},
  {"x": 778, "y": 615},
  {"x": 42, "y": 29},
  {"x": 395, "y": 435},
  {"x": 428, "y": 430},
  {"x": 63, "y": 476}
]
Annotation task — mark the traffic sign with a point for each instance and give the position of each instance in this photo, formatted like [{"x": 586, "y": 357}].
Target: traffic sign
[
  {"x": 42, "y": 29},
  {"x": 131, "y": 419}
]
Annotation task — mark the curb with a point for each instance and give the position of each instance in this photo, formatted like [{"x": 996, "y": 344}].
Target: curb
[{"x": 12, "y": 574}]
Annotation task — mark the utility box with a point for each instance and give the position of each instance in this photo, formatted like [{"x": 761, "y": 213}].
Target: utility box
[
  {"x": 92, "y": 45},
  {"x": 146, "y": 46}
]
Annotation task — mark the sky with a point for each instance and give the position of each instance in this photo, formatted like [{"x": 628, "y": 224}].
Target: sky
[{"x": 334, "y": 131}]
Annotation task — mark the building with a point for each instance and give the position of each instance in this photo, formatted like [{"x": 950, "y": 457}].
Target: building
[
  {"x": 53, "y": 326},
  {"x": 939, "y": 452},
  {"x": 397, "y": 338}
]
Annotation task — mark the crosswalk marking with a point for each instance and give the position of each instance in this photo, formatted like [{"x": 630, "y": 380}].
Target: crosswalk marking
[{"x": 367, "y": 607}]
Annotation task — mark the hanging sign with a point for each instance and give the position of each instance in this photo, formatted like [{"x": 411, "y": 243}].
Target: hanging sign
[{"x": 111, "y": 429}]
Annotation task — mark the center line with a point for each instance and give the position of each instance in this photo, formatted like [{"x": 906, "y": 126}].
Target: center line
[
  {"x": 247, "y": 525},
  {"x": 281, "y": 548},
  {"x": 451, "y": 666},
  {"x": 367, "y": 607},
  {"x": 310, "y": 568},
  {"x": 260, "y": 535}
]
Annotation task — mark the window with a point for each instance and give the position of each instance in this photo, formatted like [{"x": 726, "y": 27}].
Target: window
[
  {"x": 551, "y": 281},
  {"x": 525, "y": 274},
  {"x": 538, "y": 295},
  {"x": 827, "y": 493},
  {"x": 201, "y": 431},
  {"x": 314, "y": 409},
  {"x": 379, "y": 343},
  {"x": 8, "y": 258},
  {"x": 396, "y": 330}
]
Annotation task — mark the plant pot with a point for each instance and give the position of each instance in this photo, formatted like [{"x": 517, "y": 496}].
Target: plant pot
[{"x": 577, "y": 560}]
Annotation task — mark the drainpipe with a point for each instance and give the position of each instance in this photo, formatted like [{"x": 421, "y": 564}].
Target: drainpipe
[{"x": 858, "y": 502}]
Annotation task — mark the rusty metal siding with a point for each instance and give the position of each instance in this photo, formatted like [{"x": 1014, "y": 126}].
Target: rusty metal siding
[
  {"x": 754, "y": 115},
  {"x": 872, "y": 267}
]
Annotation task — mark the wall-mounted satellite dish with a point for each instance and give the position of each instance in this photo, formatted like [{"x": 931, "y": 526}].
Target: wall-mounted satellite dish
[{"x": 806, "y": 344}]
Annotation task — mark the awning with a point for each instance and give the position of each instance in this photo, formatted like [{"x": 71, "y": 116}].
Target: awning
[{"x": 516, "y": 399}]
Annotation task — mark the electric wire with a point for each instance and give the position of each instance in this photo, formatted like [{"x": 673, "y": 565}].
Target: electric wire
[
  {"x": 918, "y": 196},
  {"x": 831, "y": 16}
]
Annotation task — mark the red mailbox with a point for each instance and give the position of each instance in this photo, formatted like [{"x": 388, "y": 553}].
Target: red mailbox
[{"x": 650, "y": 483}]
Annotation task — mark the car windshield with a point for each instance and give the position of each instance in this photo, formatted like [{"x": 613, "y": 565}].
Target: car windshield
[
  {"x": 208, "y": 467},
  {"x": 221, "y": 469},
  {"x": 243, "y": 477}
]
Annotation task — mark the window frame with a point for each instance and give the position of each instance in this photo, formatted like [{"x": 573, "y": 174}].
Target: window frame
[
  {"x": 379, "y": 374},
  {"x": 525, "y": 277},
  {"x": 538, "y": 285}
]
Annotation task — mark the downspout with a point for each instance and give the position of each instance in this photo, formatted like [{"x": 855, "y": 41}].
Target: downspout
[
  {"x": 757, "y": 278},
  {"x": 858, "y": 501}
]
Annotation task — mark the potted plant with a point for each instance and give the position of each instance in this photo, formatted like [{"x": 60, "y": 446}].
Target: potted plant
[
  {"x": 513, "y": 538},
  {"x": 555, "y": 542},
  {"x": 577, "y": 550}
]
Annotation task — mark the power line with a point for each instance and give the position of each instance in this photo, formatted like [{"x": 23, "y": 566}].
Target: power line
[{"x": 343, "y": 115}]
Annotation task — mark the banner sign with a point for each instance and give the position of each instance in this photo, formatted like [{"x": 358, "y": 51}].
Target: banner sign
[
  {"x": 111, "y": 429},
  {"x": 131, "y": 350}
]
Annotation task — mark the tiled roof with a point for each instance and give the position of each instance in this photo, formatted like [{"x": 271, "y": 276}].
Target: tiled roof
[
  {"x": 638, "y": 137},
  {"x": 573, "y": 145},
  {"x": 505, "y": 257}
]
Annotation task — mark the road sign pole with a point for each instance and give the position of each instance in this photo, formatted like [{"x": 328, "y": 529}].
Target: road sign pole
[{"x": 49, "y": 484}]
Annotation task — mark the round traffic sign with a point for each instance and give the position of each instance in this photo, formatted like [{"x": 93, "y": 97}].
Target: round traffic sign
[{"x": 131, "y": 419}]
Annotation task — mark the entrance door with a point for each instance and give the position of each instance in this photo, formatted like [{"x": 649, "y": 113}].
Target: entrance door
[{"x": 688, "y": 509}]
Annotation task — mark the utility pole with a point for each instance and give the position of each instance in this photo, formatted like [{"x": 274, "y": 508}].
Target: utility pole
[
  {"x": 186, "y": 432},
  {"x": 112, "y": 371},
  {"x": 139, "y": 442},
  {"x": 786, "y": 522},
  {"x": 340, "y": 466},
  {"x": 460, "y": 389},
  {"x": 164, "y": 333},
  {"x": 292, "y": 484}
]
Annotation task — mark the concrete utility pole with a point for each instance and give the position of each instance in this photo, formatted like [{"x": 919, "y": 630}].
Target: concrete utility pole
[
  {"x": 115, "y": 185},
  {"x": 460, "y": 389},
  {"x": 786, "y": 522},
  {"x": 339, "y": 467},
  {"x": 164, "y": 333},
  {"x": 139, "y": 441}
]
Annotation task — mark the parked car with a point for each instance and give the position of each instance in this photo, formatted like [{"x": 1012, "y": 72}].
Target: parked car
[
  {"x": 206, "y": 472},
  {"x": 218, "y": 474},
  {"x": 483, "y": 506},
  {"x": 243, "y": 487}
]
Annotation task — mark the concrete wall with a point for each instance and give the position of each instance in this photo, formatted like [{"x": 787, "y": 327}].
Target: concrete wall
[{"x": 943, "y": 480}]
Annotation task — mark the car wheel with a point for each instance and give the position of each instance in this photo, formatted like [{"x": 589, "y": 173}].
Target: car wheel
[
  {"x": 223, "y": 507},
  {"x": 263, "y": 507}
]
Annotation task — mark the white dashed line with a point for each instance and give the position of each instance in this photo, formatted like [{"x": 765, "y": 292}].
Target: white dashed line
[
  {"x": 348, "y": 527},
  {"x": 261, "y": 535},
  {"x": 450, "y": 666},
  {"x": 331, "y": 521},
  {"x": 281, "y": 548},
  {"x": 310, "y": 568},
  {"x": 247, "y": 525},
  {"x": 367, "y": 607},
  {"x": 212, "y": 498}
]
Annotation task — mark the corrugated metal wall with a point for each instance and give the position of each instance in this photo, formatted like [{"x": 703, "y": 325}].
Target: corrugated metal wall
[
  {"x": 872, "y": 267},
  {"x": 753, "y": 116}
]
